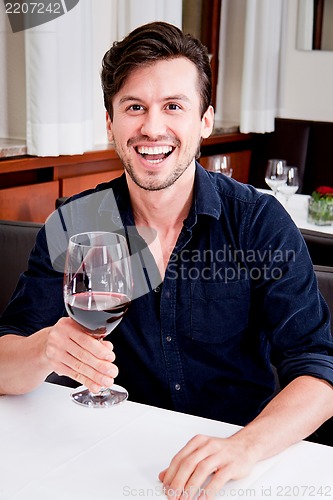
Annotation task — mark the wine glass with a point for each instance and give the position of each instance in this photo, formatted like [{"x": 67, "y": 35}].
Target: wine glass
[
  {"x": 97, "y": 293},
  {"x": 275, "y": 174},
  {"x": 291, "y": 184},
  {"x": 220, "y": 163}
]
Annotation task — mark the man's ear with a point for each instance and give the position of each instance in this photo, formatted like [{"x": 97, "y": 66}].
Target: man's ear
[
  {"x": 207, "y": 122},
  {"x": 109, "y": 127}
]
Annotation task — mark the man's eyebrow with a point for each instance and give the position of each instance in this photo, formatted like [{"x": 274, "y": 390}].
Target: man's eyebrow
[
  {"x": 127, "y": 98},
  {"x": 177, "y": 97}
]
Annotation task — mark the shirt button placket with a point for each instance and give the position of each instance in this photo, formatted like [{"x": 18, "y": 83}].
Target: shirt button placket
[{"x": 170, "y": 346}]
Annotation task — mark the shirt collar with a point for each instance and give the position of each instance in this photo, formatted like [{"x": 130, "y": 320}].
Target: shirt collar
[
  {"x": 117, "y": 204},
  {"x": 206, "y": 200}
]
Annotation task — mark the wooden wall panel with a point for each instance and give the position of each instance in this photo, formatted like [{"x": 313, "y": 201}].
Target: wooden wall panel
[
  {"x": 73, "y": 185},
  {"x": 29, "y": 203}
]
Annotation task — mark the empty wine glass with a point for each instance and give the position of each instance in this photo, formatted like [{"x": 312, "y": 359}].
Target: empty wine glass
[
  {"x": 291, "y": 183},
  {"x": 275, "y": 174},
  {"x": 97, "y": 293},
  {"x": 220, "y": 163}
]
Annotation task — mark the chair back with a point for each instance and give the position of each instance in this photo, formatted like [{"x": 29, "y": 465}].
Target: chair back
[
  {"x": 324, "y": 435},
  {"x": 320, "y": 246},
  {"x": 289, "y": 141},
  {"x": 325, "y": 282},
  {"x": 16, "y": 242}
]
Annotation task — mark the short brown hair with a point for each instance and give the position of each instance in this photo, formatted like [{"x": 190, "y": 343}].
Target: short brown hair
[{"x": 150, "y": 43}]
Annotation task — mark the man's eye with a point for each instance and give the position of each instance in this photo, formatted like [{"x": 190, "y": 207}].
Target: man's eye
[
  {"x": 173, "y": 107},
  {"x": 135, "y": 107}
]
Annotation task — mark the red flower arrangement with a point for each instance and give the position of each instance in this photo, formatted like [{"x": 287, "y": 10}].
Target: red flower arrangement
[
  {"x": 321, "y": 206},
  {"x": 324, "y": 191}
]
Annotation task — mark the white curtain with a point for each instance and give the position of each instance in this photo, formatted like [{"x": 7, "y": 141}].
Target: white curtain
[
  {"x": 61, "y": 72},
  {"x": 58, "y": 76},
  {"x": 261, "y": 65},
  {"x": 133, "y": 13},
  {"x": 305, "y": 24}
]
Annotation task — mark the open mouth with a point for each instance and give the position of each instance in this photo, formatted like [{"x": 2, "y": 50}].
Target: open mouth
[{"x": 155, "y": 154}]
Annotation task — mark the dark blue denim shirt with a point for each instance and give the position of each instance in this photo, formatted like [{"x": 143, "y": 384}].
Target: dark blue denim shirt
[{"x": 239, "y": 295}]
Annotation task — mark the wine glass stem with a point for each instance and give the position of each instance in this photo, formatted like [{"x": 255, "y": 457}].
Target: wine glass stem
[{"x": 100, "y": 393}]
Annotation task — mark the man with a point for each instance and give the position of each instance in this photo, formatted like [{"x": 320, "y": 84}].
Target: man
[{"x": 238, "y": 290}]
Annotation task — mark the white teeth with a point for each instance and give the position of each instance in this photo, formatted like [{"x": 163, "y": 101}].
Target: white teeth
[
  {"x": 155, "y": 161},
  {"x": 157, "y": 150}
]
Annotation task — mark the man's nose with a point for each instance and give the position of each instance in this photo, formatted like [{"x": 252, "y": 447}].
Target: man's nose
[{"x": 153, "y": 125}]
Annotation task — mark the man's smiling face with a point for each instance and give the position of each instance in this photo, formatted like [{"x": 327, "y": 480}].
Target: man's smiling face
[{"x": 156, "y": 126}]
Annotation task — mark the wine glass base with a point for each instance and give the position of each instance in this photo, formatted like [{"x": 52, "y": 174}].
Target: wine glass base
[{"x": 103, "y": 399}]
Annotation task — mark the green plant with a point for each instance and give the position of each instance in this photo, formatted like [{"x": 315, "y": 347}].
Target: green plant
[{"x": 321, "y": 206}]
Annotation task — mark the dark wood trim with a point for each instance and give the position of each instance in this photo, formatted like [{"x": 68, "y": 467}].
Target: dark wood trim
[
  {"x": 210, "y": 36},
  {"x": 226, "y": 138},
  {"x": 318, "y": 24},
  {"x": 104, "y": 152}
]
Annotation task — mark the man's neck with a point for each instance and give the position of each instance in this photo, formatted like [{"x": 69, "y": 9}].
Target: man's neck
[{"x": 163, "y": 209}]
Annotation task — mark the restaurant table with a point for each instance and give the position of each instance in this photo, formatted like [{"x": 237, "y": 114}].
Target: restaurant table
[
  {"x": 297, "y": 207},
  {"x": 54, "y": 449}
]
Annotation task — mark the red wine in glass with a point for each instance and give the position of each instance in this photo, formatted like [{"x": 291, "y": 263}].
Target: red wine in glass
[{"x": 98, "y": 311}]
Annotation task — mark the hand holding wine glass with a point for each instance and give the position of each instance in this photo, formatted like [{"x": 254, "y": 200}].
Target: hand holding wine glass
[
  {"x": 275, "y": 174},
  {"x": 291, "y": 184},
  {"x": 97, "y": 293}
]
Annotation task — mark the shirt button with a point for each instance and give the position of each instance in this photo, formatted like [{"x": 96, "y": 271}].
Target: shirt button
[
  {"x": 169, "y": 338},
  {"x": 157, "y": 289},
  {"x": 177, "y": 387}
]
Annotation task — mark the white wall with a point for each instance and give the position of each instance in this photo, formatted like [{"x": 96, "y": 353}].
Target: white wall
[
  {"x": 307, "y": 76},
  {"x": 231, "y": 60},
  {"x": 327, "y": 34}
]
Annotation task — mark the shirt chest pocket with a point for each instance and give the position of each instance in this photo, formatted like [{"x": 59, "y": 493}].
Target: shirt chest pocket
[{"x": 219, "y": 310}]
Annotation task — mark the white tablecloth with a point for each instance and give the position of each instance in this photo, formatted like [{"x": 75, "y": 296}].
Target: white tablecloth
[
  {"x": 297, "y": 207},
  {"x": 53, "y": 449}
]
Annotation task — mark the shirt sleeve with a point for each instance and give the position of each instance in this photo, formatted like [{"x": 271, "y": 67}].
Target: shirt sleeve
[
  {"x": 293, "y": 316},
  {"x": 38, "y": 300}
]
